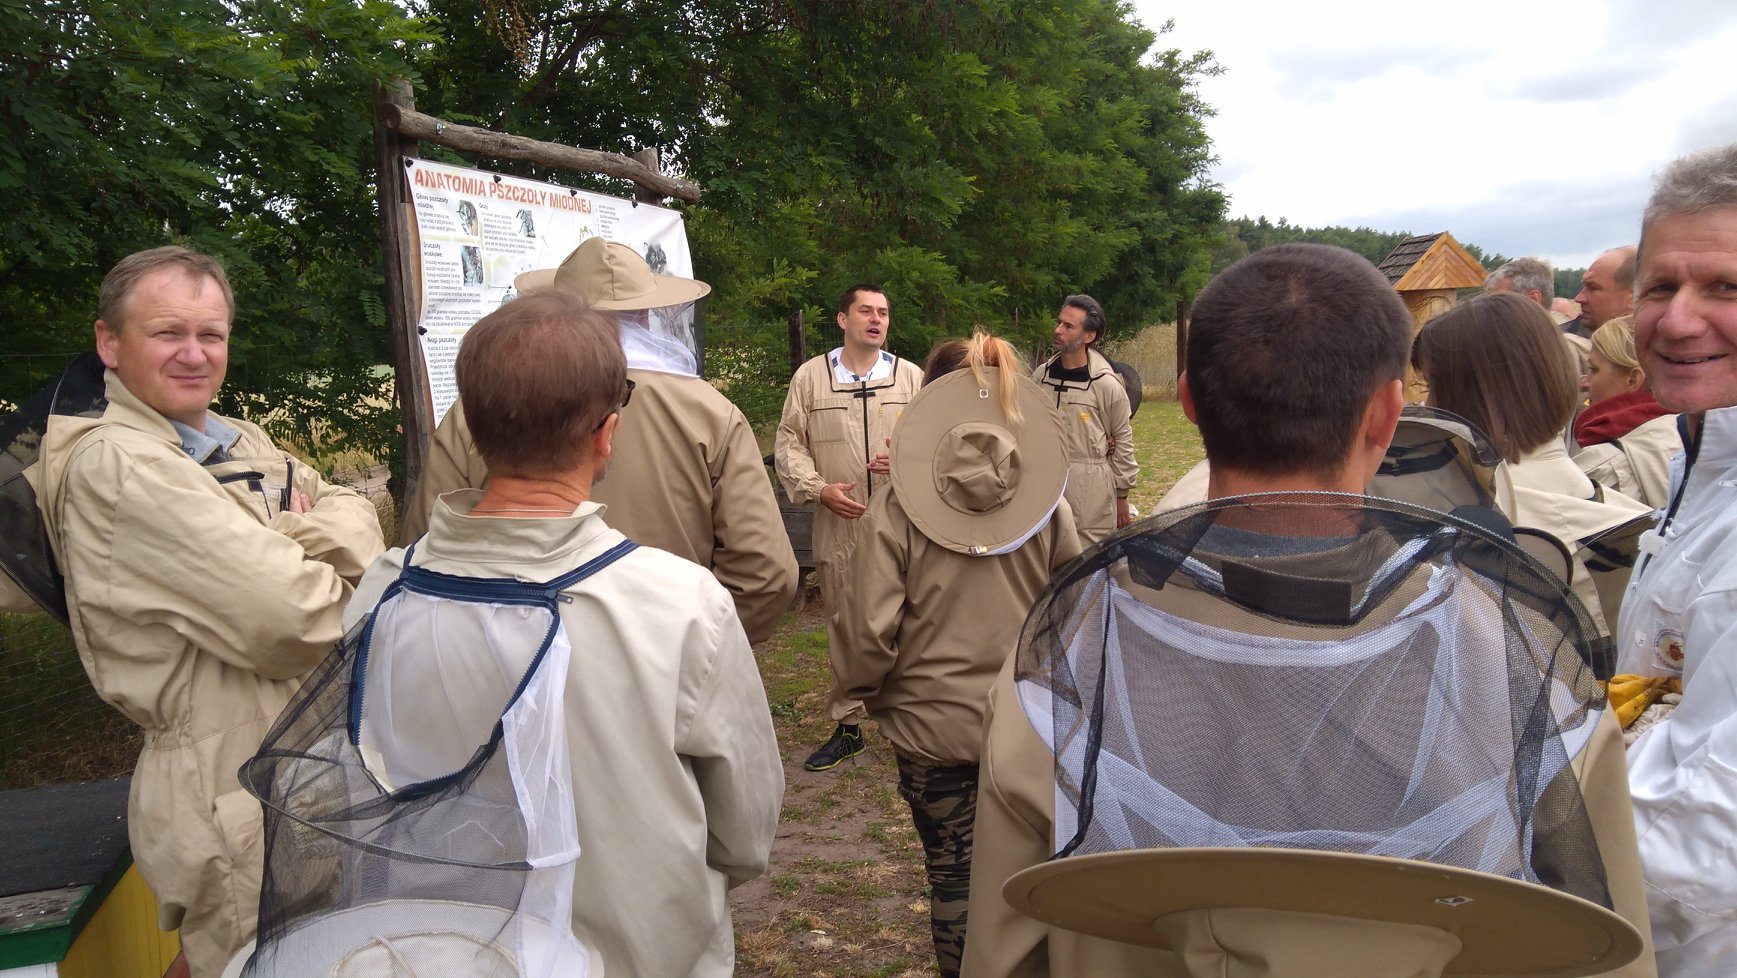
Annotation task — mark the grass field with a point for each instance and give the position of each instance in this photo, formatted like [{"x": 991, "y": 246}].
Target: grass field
[{"x": 845, "y": 896}]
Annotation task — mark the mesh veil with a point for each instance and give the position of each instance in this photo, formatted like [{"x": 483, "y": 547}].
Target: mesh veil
[
  {"x": 669, "y": 339},
  {"x": 419, "y": 816},
  {"x": 1318, "y": 671}
]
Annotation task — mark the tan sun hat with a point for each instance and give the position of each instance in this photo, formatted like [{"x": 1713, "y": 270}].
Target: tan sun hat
[
  {"x": 970, "y": 480},
  {"x": 1156, "y": 897},
  {"x": 613, "y": 278}
]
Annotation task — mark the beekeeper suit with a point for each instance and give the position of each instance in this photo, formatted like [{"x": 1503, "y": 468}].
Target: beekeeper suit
[
  {"x": 1101, "y": 466},
  {"x": 206, "y": 571},
  {"x": 689, "y": 477}
]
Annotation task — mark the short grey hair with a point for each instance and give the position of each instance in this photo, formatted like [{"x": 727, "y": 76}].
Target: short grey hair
[
  {"x": 1094, "y": 313},
  {"x": 1697, "y": 182},
  {"x": 1526, "y": 275}
]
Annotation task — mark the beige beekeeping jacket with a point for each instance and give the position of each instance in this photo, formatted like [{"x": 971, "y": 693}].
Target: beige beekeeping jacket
[
  {"x": 927, "y": 628},
  {"x": 1553, "y": 495},
  {"x": 1638, "y": 464},
  {"x": 196, "y": 602},
  {"x": 686, "y": 477},
  {"x": 829, "y": 433},
  {"x": 1100, "y": 443},
  {"x": 1015, "y": 823},
  {"x": 677, "y": 781}
]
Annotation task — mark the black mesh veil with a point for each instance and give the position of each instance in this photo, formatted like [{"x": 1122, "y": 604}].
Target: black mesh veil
[
  {"x": 26, "y": 556},
  {"x": 1318, "y": 671},
  {"x": 395, "y": 846}
]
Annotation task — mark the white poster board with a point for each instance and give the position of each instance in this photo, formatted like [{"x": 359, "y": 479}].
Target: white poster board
[{"x": 479, "y": 230}]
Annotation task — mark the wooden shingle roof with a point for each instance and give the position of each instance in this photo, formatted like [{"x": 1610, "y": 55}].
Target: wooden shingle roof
[{"x": 1431, "y": 261}]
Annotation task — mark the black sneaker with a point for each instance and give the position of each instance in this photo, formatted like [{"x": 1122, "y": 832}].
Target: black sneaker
[{"x": 846, "y": 742}]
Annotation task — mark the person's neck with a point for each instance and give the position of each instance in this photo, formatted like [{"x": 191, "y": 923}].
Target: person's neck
[
  {"x": 521, "y": 497},
  {"x": 1076, "y": 359},
  {"x": 859, "y": 359},
  {"x": 1222, "y": 482}
]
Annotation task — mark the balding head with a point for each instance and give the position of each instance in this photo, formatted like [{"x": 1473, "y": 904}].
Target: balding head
[{"x": 1607, "y": 289}]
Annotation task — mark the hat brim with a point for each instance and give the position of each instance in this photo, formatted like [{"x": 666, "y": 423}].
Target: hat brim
[
  {"x": 949, "y": 403},
  {"x": 670, "y": 291},
  {"x": 1506, "y": 926}
]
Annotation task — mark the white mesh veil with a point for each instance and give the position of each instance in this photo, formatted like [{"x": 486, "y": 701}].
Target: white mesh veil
[
  {"x": 667, "y": 339},
  {"x": 1318, "y": 671},
  {"x": 419, "y": 813}
]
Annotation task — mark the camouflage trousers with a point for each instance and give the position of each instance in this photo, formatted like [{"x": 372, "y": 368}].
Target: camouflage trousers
[{"x": 943, "y": 804}]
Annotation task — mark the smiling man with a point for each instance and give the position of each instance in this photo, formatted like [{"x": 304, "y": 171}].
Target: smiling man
[
  {"x": 1679, "y": 617},
  {"x": 831, "y": 450},
  {"x": 206, "y": 571},
  {"x": 1095, "y": 417}
]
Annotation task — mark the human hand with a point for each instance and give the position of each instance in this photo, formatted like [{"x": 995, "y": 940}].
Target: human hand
[
  {"x": 299, "y": 501},
  {"x": 836, "y": 497},
  {"x": 880, "y": 465},
  {"x": 1122, "y": 517}
]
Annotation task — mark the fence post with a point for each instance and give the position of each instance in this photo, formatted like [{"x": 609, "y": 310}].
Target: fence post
[
  {"x": 1181, "y": 335},
  {"x": 798, "y": 342},
  {"x": 396, "y": 247}
]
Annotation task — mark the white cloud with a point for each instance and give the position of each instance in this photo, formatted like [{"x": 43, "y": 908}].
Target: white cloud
[{"x": 1535, "y": 130}]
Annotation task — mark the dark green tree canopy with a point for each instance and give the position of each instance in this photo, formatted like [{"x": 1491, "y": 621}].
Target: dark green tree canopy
[{"x": 982, "y": 159}]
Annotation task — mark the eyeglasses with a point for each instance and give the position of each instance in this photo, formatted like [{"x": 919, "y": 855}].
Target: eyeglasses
[{"x": 626, "y": 395}]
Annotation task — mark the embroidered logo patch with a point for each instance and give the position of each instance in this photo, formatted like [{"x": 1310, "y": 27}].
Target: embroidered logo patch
[{"x": 1668, "y": 649}]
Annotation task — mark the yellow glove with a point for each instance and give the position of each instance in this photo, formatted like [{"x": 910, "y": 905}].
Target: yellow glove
[{"x": 1630, "y": 695}]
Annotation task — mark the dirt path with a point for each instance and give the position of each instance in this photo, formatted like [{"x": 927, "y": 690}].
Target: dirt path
[{"x": 845, "y": 895}]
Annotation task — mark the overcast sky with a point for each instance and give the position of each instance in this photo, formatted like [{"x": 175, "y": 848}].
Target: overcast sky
[{"x": 1532, "y": 128}]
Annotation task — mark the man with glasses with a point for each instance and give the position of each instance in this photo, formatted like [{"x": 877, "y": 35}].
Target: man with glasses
[{"x": 687, "y": 475}]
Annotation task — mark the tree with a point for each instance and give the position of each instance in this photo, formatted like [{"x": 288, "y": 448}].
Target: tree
[{"x": 241, "y": 129}]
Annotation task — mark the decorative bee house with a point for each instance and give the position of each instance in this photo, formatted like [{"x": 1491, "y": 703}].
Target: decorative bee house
[{"x": 1426, "y": 270}]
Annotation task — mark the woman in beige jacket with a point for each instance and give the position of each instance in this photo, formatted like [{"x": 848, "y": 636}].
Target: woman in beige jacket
[
  {"x": 948, "y": 562},
  {"x": 1498, "y": 362}
]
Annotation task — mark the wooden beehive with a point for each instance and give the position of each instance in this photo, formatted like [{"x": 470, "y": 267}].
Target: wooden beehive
[{"x": 1426, "y": 270}]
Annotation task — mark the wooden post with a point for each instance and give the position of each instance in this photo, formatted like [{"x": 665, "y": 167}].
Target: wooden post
[
  {"x": 1181, "y": 336},
  {"x": 798, "y": 342},
  {"x": 408, "y": 376},
  {"x": 648, "y": 158}
]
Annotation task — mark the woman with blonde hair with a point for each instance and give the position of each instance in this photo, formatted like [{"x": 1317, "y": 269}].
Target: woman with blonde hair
[
  {"x": 948, "y": 562},
  {"x": 1500, "y": 363},
  {"x": 1627, "y": 439}
]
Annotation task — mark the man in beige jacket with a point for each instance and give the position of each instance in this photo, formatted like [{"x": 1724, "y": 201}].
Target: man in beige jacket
[
  {"x": 206, "y": 570},
  {"x": 1304, "y": 304},
  {"x": 675, "y": 775},
  {"x": 688, "y": 478},
  {"x": 1094, "y": 410},
  {"x": 831, "y": 450}
]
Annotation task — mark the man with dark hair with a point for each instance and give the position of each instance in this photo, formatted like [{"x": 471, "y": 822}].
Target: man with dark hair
[
  {"x": 1095, "y": 415},
  {"x": 1606, "y": 291},
  {"x": 1288, "y": 357},
  {"x": 672, "y": 773},
  {"x": 206, "y": 571},
  {"x": 1295, "y": 367},
  {"x": 831, "y": 450},
  {"x": 1678, "y": 616}
]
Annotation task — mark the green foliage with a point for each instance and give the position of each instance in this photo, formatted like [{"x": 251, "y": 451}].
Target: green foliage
[
  {"x": 1255, "y": 234},
  {"x": 1568, "y": 281},
  {"x": 239, "y": 128},
  {"x": 981, "y": 159}
]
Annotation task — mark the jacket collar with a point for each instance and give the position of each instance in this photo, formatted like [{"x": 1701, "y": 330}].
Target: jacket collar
[
  {"x": 532, "y": 546},
  {"x": 1097, "y": 365}
]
